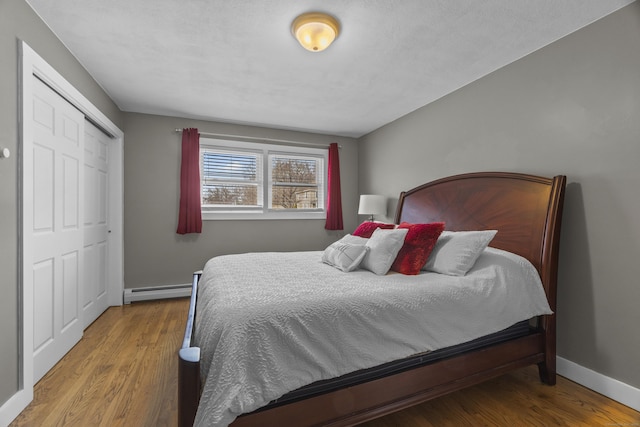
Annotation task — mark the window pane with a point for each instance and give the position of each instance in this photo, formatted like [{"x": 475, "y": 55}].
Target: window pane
[
  {"x": 230, "y": 195},
  {"x": 229, "y": 166},
  {"x": 294, "y": 182},
  {"x": 289, "y": 197},
  {"x": 294, "y": 169},
  {"x": 231, "y": 178}
]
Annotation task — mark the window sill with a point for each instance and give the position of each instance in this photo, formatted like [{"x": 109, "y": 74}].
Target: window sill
[{"x": 259, "y": 216}]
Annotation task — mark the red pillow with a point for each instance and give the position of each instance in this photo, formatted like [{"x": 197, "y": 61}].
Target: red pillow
[
  {"x": 418, "y": 244},
  {"x": 367, "y": 228}
]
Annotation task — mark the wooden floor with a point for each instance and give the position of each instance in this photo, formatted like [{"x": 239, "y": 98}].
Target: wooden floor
[{"x": 124, "y": 373}]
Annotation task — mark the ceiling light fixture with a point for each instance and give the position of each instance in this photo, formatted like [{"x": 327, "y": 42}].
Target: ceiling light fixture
[{"x": 315, "y": 30}]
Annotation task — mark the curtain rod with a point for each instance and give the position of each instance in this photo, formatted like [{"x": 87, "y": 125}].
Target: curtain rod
[{"x": 254, "y": 138}]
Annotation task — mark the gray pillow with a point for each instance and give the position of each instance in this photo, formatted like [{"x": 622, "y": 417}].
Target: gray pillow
[
  {"x": 344, "y": 256},
  {"x": 354, "y": 240},
  {"x": 456, "y": 252},
  {"x": 384, "y": 246}
]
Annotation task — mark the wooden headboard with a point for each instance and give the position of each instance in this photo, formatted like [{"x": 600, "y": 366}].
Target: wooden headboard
[{"x": 525, "y": 209}]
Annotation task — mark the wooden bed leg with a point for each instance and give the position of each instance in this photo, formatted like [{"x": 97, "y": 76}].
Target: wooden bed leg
[
  {"x": 547, "y": 374},
  {"x": 188, "y": 385},
  {"x": 547, "y": 369}
]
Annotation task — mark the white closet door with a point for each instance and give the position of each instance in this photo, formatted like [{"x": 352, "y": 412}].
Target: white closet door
[
  {"x": 58, "y": 196},
  {"x": 96, "y": 223}
]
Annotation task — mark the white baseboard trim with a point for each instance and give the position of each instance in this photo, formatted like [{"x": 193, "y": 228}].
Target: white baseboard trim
[
  {"x": 612, "y": 388},
  {"x": 156, "y": 292},
  {"x": 16, "y": 404}
]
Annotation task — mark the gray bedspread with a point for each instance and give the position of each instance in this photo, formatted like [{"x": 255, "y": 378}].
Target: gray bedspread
[{"x": 269, "y": 323}]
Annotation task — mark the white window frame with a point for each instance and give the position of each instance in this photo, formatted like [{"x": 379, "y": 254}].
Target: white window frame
[{"x": 264, "y": 212}]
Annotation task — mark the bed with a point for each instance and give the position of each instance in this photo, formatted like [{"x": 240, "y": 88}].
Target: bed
[{"x": 526, "y": 210}]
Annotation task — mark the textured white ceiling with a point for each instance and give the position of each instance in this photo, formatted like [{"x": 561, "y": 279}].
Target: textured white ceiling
[{"x": 236, "y": 61}]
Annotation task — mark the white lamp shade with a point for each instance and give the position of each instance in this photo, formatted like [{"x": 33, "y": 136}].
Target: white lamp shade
[{"x": 372, "y": 204}]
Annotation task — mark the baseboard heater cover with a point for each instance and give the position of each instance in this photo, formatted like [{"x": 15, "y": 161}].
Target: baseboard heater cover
[{"x": 156, "y": 292}]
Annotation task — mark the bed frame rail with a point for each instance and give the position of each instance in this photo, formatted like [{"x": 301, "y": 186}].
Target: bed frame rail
[{"x": 373, "y": 399}]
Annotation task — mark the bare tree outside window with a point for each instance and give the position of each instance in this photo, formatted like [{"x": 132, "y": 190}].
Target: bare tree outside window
[
  {"x": 231, "y": 195},
  {"x": 294, "y": 183}
]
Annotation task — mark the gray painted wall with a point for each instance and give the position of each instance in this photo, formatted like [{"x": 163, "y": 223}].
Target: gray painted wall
[
  {"x": 155, "y": 254},
  {"x": 19, "y": 22},
  {"x": 570, "y": 108}
]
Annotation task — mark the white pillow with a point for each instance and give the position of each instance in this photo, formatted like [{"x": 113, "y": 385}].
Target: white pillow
[
  {"x": 354, "y": 240},
  {"x": 456, "y": 252},
  {"x": 344, "y": 256},
  {"x": 384, "y": 246}
]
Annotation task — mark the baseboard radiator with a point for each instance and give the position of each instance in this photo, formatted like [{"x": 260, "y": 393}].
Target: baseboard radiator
[{"x": 156, "y": 292}]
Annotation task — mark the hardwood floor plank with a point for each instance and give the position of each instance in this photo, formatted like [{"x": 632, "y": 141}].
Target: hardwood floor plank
[{"x": 124, "y": 373}]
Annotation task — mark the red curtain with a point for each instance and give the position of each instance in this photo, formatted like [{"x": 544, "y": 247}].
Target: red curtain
[
  {"x": 334, "y": 200},
  {"x": 190, "y": 217}
]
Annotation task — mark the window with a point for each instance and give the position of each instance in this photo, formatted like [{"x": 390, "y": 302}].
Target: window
[
  {"x": 244, "y": 180},
  {"x": 230, "y": 179}
]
